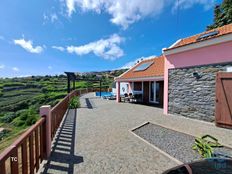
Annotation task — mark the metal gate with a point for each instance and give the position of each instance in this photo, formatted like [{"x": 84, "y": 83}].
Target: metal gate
[{"x": 223, "y": 112}]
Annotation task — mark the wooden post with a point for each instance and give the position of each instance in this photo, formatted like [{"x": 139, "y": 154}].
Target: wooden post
[
  {"x": 46, "y": 112},
  {"x": 74, "y": 84},
  {"x": 68, "y": 83},
  {"x": 14, "y": 163}
]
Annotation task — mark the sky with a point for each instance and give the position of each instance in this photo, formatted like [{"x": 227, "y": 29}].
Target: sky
[{"x": 51, "y": 37}]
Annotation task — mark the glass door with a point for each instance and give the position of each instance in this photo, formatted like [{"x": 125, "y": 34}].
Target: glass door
[
  {"x": 157, "y": 92},
  {"x": 154, "y": 92}
]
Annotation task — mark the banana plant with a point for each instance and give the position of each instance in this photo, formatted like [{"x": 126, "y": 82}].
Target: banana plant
[{"x": 205, "y": 145}]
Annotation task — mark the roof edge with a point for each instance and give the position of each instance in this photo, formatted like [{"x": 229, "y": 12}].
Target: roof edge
[
  {"x": 175, "y": 43},
  {"x": 196, "y": 45},
  {"x": 141, "y": 79}
]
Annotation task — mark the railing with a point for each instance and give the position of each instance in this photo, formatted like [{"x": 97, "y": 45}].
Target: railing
[
  {"x": 58, "y": 111},
  {"x": 33, "y": 146},
  {"x": 27, "y": 152}
]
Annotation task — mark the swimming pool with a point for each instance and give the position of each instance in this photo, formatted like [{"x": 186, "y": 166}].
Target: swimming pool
[{"x": 104, "y": 94}]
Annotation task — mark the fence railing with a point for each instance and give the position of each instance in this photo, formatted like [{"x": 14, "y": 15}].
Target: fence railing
[
  {"x": 27, "y": 153},
  {"x": 58, "y": 111}
]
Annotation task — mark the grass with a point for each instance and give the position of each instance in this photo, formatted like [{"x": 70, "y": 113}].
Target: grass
[{"x": 10, "y": 138}]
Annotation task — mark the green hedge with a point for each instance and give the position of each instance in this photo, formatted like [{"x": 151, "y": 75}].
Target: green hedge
[{"x": 74, "y": 103}]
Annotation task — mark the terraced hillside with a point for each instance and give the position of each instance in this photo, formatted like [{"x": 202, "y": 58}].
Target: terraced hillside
[{"x": 21, "y": 98}]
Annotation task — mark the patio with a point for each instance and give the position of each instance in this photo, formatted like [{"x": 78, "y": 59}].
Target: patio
[{"x": 105, "y": 144}]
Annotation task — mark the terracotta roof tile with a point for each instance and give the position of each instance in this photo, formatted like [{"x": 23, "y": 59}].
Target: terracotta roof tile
[
  {"x": 156, "y": 69},
  {"x": 226, "y": 29}
]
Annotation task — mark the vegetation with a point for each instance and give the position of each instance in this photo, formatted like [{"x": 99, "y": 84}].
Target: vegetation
[
  {"x": 222, "y": 14},
  {"x": 74, "y": 103},
  {"x": 205, "y": 145},
  {"x": 21, "y": 98}
]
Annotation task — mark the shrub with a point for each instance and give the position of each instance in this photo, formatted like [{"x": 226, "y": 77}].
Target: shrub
[
  {"x": 4, "y": 133},
  {"x": 74, "y": 103},
  {"x": 26, "y": 117},
  {"x": 31, "y": 120},
  {"x": 8, "y": 117},
  {"x": 18, "y": 122}
]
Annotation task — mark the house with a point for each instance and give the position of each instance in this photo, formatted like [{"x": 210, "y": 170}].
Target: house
[
  {"x": 191, "y": 66},
  {"x": 145, "y": 79}
]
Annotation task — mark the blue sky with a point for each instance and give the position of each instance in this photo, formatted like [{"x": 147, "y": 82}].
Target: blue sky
[{"x": 50, "y": 37}]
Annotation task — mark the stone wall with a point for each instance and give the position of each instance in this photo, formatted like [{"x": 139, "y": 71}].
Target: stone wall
[{"x": 192, "y": 97}]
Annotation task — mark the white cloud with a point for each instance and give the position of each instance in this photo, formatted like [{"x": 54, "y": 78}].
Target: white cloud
[
  {"x": 186, "y": 4},
  {"x": 54, "y": 17},
  {"x": 50, "y": 17},
  {"x": 70, "y": 6},
  {"x": 58, "y": 48},
  {"x": 2, "y": 66},
  {"x": 15, "y": 69},
  {"x": 123, "y": 12},
  {"x": 50, "y": 67},
  {"x": 105, "y": 48},
  {"x": 126, "y": 12},
  {"x": 132, "y": 63},
  {"x": 28, "y": 46}
]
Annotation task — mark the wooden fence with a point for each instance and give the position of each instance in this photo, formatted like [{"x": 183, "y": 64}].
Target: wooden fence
[
  {"x": 27, "y": 153},
  {"x": 58, "y": 112}
]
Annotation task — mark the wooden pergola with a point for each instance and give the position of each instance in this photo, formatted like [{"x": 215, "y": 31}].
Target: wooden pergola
[{"x": 72, "y": 78}]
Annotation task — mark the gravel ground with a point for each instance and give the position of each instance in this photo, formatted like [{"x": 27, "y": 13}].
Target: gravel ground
[{"x": 176, "y": 144}]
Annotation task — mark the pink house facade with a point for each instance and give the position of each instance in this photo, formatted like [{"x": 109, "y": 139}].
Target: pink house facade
[{"x": 190, "y": 69}]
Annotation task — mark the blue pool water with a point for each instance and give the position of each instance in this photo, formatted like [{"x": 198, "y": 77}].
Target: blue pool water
[{"x": 104, "y": 94}]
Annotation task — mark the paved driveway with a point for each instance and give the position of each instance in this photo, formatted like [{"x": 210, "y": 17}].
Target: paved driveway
[
  {"x": 104, "y": 144},
  {"x": 104, "y": 141}
]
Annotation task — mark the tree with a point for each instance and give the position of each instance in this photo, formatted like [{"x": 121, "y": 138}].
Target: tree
[
  {"x": 222, "y": 15},
  {"x": 227, "y": 7}
]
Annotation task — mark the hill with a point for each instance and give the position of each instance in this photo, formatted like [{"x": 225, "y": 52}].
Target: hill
[{"x": 20, "y": 98}]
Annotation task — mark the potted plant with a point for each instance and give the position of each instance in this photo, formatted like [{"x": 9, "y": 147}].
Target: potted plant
[{"x": 205, "y": 146}]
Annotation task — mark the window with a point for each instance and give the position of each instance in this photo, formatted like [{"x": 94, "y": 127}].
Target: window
[
  {"x": 137, "y": 86},
  {"x": 207, "y": 35},
  {"x": 143, "y": 66}
]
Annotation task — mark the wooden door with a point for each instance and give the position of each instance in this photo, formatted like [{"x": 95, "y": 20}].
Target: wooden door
[{"x": 223, "y": 112}]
